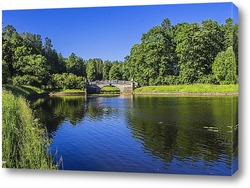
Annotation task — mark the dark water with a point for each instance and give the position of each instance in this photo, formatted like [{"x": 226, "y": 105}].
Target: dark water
[{"x": 156, "y": 134}]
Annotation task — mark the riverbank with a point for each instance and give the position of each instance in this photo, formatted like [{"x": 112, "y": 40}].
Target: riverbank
[
  {"x": 68, "y": 92},
  {"x": 34, "y": 92},
  {"x": 25, "y": 91},
  {"x": 24, "y": 142},
  {"x": 195, "y": 89}
]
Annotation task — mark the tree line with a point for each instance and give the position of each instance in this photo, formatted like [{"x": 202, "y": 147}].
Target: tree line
[{"x": 184, "y": 53}]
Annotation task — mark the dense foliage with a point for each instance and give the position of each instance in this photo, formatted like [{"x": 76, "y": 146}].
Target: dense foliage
[{"x": 185, "y": 53}]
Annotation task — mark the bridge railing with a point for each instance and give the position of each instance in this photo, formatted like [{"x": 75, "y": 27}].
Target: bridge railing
[{"x": 122, "y": 82}]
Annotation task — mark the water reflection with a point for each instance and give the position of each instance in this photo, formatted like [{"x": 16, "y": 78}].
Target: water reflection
[
  {"x": 53, "y": 111},
  {"x": 194, "y": 130},
  {"x": 194, "y": 135}
]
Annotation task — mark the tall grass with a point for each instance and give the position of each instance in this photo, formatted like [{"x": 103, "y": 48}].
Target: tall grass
[{"x": 23, "y": 139}]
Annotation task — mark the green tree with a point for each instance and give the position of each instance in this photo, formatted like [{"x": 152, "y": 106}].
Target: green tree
[
  {"x": 67, "y": 81},
  {"x": 187, "y": 49},
  {"x": 224, "y": 67},
  {"x": 126, "y": 69},
  {"x": 211, "y": 42},
  {"x": 228, "y": 33},
  {"x": 236, "y": 45},
  {"x": 5, "y": 72},
  {"x": 154, "y": 58},
  {"x": 11, "y": 40},
  {"x": 135, "y": 63},
  {"x": 115, "y": 72},
  {"x": 76, "y": 65},
  {"x": 94, "y": 69},
  {"x": 105, "y": 69},
  {"x": 32, "y": 70},
  {"x": 54, "y": 60},
  {"x": 33, "y": 41}
]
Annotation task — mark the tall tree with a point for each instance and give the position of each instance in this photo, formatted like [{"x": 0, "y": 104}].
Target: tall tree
[
  {"x": 32, "y": 70},
  {"x": 11, "y": 40},
  {"x": 224, "y": 67},
  {"x": 105, "y": 69},
  {"x": 211, "y": 42},
  {"x": 188, "y": 51},
  {"x": 236, "y": 44},
  {"x": 94, "y": 69},
  {"x": 76, "y": 65},
  {"x": 115, "y": 71},
  {"x": 33, "y": 41},
  {"x": 228, "y": 33}
]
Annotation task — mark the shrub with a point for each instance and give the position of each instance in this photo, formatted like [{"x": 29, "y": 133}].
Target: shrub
[
  {"x": 66, "y": 81},
  {"x": 207, "y": 79},
  {"x": 224, "y": 67}
]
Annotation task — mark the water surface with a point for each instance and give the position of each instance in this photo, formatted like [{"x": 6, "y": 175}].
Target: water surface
[{"x": 152, "y": 134}]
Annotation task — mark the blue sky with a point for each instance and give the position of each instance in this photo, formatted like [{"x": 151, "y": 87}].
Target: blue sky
[{"x": 108, "y": 32}]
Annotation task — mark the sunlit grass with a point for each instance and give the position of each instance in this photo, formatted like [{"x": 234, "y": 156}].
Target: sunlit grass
[
  {"x": 72, "y": 91},
  {"x": 24, "y": 141},
  {"x": 25, "y": 91},
  {"x": 196, "y": 88},
  {"x": 110, "y": 89}
]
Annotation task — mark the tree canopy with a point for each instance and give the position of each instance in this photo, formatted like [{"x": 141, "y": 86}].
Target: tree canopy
[{"x": 184, "y": 53}]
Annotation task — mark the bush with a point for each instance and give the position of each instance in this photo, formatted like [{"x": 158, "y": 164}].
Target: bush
[
  {"x": 224, "y": 67},
  {"x": 171, "y": 80},
  {"x": 207, "y": 79},
  {"x": 26, "y": 80},
  {"x": 66, "y": 81}
]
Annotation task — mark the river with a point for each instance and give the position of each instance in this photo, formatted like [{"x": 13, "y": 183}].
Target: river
[{"x": 149, "y": 134}]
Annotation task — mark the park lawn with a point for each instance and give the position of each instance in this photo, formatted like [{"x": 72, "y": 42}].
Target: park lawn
[
  {"x": 110, "y": 89},
  {"x": 195, "y": 88}
]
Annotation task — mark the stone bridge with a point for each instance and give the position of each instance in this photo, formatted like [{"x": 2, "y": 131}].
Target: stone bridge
[{"x": 124, "y": 86}]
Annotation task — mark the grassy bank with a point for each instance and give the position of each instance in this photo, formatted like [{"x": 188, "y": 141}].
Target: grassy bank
[
  {"x": 25, "y": 91},
  {"x": 30, "y": 91},
  {"x": 67, "y": 92},
  {"x": 196, "y": 88},
  {"x": 23, "y": 138}
]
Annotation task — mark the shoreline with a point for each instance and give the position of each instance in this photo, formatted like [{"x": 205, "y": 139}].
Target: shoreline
[
  {"x": 66, "y": 94},
  {"x": 189, "y": 93}
]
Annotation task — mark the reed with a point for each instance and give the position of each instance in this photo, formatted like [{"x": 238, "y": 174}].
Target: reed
[{"x": 24, "y": 140}]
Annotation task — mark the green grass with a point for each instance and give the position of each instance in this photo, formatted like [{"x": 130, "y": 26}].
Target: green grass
[
  {"x": 196, "y": 88},
  {"x": 110, "y": 89},
  {"x": 23, "y": 138},
  {"x": 67, "y": 92},
  {"x": 25, "y": 91},
  {"x": 72, "y": 91},
  {"x": 106, "y": 95}
]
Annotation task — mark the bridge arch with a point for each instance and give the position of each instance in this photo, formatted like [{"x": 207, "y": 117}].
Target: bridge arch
[
  {"x": 120, "y": 87},
  {"x": 124, "y": 86}
]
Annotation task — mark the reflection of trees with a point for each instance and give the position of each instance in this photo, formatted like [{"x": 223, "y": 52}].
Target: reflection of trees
[
  {"x": 191, "y": 129},
  {"x": 54, "y": 110},
  {"x": 96, "y": 109}
]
